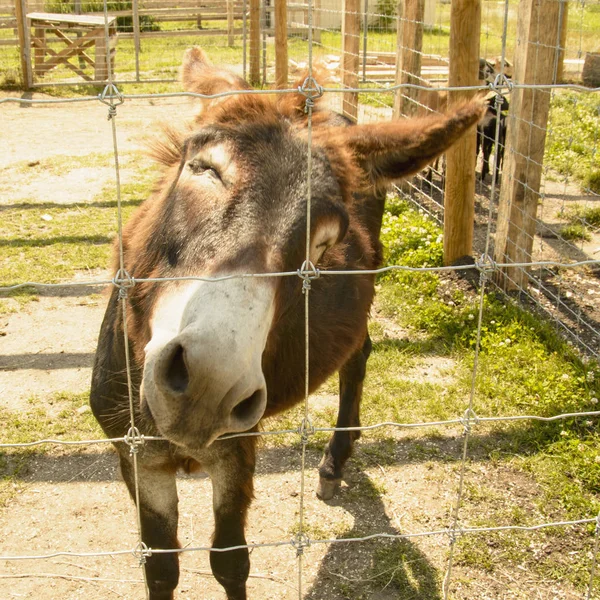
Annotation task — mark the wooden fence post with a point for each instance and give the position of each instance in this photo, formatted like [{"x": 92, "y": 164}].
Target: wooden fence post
[
  {"x": 350, "y": 61},
  {"x": 408, "y": 56},
  {"x": 535, "y": 63},
  {"x": 564, "y": 26},
  {"x": 281, "y": 48},
  {"x": 254, "y": 75},
  {"x": 230, "y": 23},
  {"x": 317, "y": 21},
  {"x": 459, "y": 203},
  {"x": 20, "y": 12}
]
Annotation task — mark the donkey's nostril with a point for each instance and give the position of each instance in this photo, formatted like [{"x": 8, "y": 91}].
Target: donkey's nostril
[
  {"x": 247, "y": 409},
  {"x": 177, "y": 375}
]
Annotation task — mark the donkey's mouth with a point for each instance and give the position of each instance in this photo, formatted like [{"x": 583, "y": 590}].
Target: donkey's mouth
[{"x": 192, "y": 426}]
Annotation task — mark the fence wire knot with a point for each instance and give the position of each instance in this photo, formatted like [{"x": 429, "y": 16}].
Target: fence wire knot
[
  {"x": 468, "y": 418},
  {"x": 141, "y": 552},
  {"x": 455, "y": 533},
  {"x": 123, "y": 280},
  {"x": 311, "y": 90},
  {"x": 486, "y": 265},
  {"x": 501, "y": 84},
  {"x": 112, "y": 97},
  {"x": 134, "y": 439},
  {"x": 308, "y": 272},
  {"x": 305, "y": 430},
  {"x": 300, "y": 542}
]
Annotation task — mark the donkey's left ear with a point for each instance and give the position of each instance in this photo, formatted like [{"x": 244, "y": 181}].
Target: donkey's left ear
[
  {"x": 200, "y": 76},
  {"x": 388, "y": 152}
]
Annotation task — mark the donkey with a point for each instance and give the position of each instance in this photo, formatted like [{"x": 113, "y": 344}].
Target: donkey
[{"x": 210, "y": 358}]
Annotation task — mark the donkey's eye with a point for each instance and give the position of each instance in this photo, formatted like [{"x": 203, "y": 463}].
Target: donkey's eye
[{"x": 201, "y": 167}]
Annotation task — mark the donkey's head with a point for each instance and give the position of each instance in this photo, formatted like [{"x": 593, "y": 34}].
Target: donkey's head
[{"x": 233, "y": 201}]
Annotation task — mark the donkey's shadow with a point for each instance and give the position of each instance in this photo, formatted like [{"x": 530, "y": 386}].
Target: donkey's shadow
[{"x": 378, "y": 569}]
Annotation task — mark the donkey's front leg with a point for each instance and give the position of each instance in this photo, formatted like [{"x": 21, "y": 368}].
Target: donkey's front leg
[
  {"x": 352, "y": 375},
  {"x": 159, "y": 516},
  {"x": 231, "y": 471}
]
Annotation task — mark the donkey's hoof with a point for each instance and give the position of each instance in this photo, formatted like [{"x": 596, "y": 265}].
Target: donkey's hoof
[{"x": 327, "y": 488}]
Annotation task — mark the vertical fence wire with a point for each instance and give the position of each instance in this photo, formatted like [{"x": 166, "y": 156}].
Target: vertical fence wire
[
  {"x": 305, "y": 427},
  {"x": 123, "y": 281},
  {"x": 470, "y": 415}
]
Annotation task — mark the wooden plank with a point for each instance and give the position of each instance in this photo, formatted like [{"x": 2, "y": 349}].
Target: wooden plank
[
  {"x": 409, "y": 63},
  {"x": 62, "y": 56},
  {"x": 54, "y": 18},
  {"x": 535, "y": 62},
  {"x": 459, "y": 203},
  {"x": 350, "y": 57},
  {"x": 38, "y": 42},
  {"x": 181, "y": 33},
  {"x": 281, "y": 48},
  {"x": 254, "y": 73}
]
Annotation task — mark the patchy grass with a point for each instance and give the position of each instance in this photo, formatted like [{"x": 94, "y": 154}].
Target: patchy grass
[
  {"x": 572, "y": 137},
  {"x": 60, "y": 416},
  {"x": 524, "y": 368},
  {"x": 56, "y": 417},
  {"x": 51, "y": 242},
  {"x": 581, "y": 219},
  {"x": 575, "y": 232}
]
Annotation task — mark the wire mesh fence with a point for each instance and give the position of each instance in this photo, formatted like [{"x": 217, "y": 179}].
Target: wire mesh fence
[{"x": 557, "y": 273}]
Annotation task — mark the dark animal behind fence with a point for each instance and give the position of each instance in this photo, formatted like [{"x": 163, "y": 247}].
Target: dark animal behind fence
[
  {"x": 214, "y": 358},
  {"x": 486, "y": 133}
]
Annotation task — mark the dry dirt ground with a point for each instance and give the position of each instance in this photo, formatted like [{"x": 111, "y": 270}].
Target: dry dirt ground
[{"x": 74, "y": 501}]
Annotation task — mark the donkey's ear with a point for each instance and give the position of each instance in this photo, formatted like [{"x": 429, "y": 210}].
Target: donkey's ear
[
  {"x": 200, "y": 76},
  {"x": 387, "y": 152}
]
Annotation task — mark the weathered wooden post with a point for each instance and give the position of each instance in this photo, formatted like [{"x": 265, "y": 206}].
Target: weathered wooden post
[
  {"x": 459, "y": 203},
  {"x": 564, "y": 26},
  {"x": 409, "y": 49},
  {"x": 136, "y": 37},
  {"x": 316, "y": 21},
  {"x": 254, "y": 77},
  {"x": 350, "y": 60},
  {"x": 535, "y": 63},
  {"x": 230, "y": 23},
  {"x": 20, "y": 12},
  {"x": 281, "y": 49}
]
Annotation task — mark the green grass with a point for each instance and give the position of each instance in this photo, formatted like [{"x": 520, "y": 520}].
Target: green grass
[
  {"x": 587, "y": 216},
  {"x": 572, "y": 137},
  {"x": 66, "y": 422},
  {"x": 575, "y": 232},
  {"x": 524, "y": 368},
  {"x": 51, "y": 242}
]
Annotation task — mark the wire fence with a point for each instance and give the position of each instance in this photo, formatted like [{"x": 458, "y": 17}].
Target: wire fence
[{"x": 545, "y": 278}]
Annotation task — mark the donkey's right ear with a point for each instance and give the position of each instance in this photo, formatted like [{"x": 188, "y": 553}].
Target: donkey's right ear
[
  {"x": 200, "y": 76},
  {"x": 387, "y": 152}
]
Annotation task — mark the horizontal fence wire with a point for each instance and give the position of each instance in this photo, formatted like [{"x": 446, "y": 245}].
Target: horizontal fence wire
[
  {"x": 483, "y": 265},
  {"x": 465, "y": 419},
  {"x": 349, "y": 540}
]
